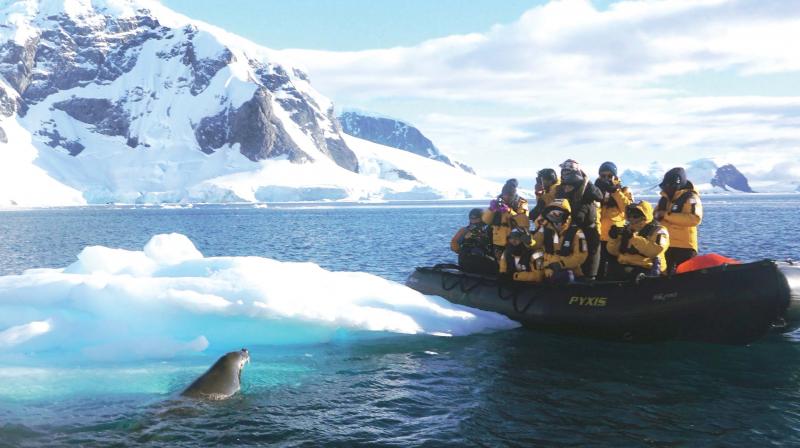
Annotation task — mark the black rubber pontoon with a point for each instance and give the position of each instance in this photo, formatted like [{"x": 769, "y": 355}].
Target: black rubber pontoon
[{"x": 730, "y": 304}]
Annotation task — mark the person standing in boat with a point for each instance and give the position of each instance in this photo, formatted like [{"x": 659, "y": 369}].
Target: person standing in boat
[
  {"x": 583, "y": 197},
  {"x": 563, "y": 243},
  {"x": 616, "y": 198},
  {"x": 680, "y": 211},
  {"x": 473, "y": 244},
  {"x": 507, "y": 212},
  {"x": 640, "y": 245},
  {"x": 546, "y": 184}
]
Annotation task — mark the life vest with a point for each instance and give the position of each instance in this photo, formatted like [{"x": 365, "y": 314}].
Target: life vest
[
  {"x": 566, "y": 248},
  {"x": 682, "y": 216}
]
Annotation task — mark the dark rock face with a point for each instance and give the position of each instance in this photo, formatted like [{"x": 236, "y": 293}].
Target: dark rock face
[
  {"x": 98, "y": 48},
  {"x": 69, "y": 54},
  {"x": 3, "y": 136},
  {"x": 396, "y": 134},
  {"x": 55, "y": 139},
  {"x": 108, "y": 118},
  {"x": 304, "y": 112},
  {"x": 729, "y": 176},
  {"x": 254, "y": 126}
]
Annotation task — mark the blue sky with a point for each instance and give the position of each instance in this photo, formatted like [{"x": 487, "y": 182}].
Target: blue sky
[
  {"x": 344, "y": 25},
  {"x": 531, "y": 83}
]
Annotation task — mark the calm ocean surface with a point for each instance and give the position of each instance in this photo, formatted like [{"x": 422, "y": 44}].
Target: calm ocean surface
[{"x": 513, "y": 388}]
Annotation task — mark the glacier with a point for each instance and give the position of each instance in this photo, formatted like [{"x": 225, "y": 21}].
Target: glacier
[
  {"x": 126, "y": 101},
  {"x": 168, "y": 300}
]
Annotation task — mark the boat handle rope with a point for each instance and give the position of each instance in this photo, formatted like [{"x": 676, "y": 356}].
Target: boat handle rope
[
  {"x": 449, "y": 288},
  {"x": 525, "y": 308}
]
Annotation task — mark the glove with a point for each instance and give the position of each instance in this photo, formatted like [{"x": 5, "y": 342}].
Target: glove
[
  {"x": 626, "y": 232},
  {"x": 614, "y": 232},
  {"x": 498, "y": 206},
  {"x": 555, "y": 267},
  {"x": 603, "y": 184},
  {"x": 615, "y": 185}
]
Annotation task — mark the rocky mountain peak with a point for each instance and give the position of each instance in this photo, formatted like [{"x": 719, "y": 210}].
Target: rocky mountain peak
[
  {"x": 396, "y": 134},
  {"x": 145, "y": 78},
  {"x": 727, "y": 176}
]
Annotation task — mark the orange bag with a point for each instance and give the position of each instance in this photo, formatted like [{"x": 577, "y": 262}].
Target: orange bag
[{"x": 703, "y": 262}]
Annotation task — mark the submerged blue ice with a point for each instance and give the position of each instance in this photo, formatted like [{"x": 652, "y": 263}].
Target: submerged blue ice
[{"x": 168, "y": 300}]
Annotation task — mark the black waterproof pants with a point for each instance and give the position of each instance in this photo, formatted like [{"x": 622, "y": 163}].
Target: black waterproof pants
[
  {"x": 608, "y": 262},
  {"x": 592, "y": 263},
  {"x": 677, "y": 255},
  {"x": 478, "y": 264}
]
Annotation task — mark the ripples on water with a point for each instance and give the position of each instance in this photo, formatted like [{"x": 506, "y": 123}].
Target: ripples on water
[{"x": 513, "y": 388}]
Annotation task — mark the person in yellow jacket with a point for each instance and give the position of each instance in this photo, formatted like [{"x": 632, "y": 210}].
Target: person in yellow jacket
[
  {"x": 562, "y": 243},
  {"x": 641, "y": 244},
  {"x": 680, "y": 211},
  {"x": 519, "y": 260},
  {"x": 547, "y": 183},
  {"x": 507, "y": 212},
  {"x": 616, "y": 198},
  {"x": 473, "y": 244}
]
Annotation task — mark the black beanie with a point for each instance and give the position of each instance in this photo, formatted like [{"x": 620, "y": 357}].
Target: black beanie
[
  {"x": 548, "y": 174},
  {"x": 475, "y": 213},
  {"x": 675, "y": 177},
  {"x": 510, "y": 188}
]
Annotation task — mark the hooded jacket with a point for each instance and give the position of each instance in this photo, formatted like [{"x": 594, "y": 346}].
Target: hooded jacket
[
  {"x": 570, "y": 252},
  {"x": 646, "y": 247},
  {"x": 583, "y": 200},
  {"x": 683, "y": 213},
  {"x": 543, "y": 199},
  {"x": 612, "y": 210},
  {"x": 504, "y": 222}
]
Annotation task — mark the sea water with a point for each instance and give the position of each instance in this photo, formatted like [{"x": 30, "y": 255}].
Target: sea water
[{"x": 313, "y": 382}]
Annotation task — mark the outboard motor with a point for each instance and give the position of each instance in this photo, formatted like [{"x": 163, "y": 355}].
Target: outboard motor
[{"x": 791, "y": 273}]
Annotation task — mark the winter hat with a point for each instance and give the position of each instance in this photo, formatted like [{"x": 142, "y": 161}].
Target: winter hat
[
  {"x": 570, "y": 164},
  {"x": 510, "y": 188},
  {"x": 548, "y": 174},
  {"x": 608, "y": 166},
  {"x": 675, "y": 177},
  {"x": 475, "y": 213}
]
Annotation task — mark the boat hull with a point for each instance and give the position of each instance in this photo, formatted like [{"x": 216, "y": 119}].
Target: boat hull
[{"x": 731, "y": 304}]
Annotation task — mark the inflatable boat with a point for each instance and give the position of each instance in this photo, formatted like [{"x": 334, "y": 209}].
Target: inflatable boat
[{"x": 729, "y": 304}]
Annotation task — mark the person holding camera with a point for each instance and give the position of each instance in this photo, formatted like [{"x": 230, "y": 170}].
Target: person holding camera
[
  {"x": 473, "y": 244},
  {"x": 546, "y": 184},
  {"x": 639, "y": 246},
  {"x": 583, "y": 197},
  {"x": 507, "y": 212},
  {"x": 616, "y": 198},
  {"x": 519, "y": 261},
  {"x": 563, "y": 243}
]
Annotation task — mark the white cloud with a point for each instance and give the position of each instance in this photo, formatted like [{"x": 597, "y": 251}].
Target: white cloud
[{"x": 569, "y": 80}]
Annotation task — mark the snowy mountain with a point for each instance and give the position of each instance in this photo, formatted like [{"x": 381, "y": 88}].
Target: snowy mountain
[
  {"x": 127, "y": 101},
  {"x": 395, "y": 133}
]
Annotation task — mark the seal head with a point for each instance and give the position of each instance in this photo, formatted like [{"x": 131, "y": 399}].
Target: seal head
[{"x": 222, "y": 380}]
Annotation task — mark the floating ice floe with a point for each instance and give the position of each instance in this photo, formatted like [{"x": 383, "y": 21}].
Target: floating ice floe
[{"x": 169, "y": 299}]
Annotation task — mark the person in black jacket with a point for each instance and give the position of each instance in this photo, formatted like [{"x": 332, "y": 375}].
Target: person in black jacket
[{"x": 583, "y": 197}]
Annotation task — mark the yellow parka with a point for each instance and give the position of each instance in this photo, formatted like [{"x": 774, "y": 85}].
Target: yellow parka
[
  {"x": 612, "y": 210},
  {"x": 683, "y": 213},
  {"x": 544, "y": 199},
  {"x": 566, "y": 247},
  {"x": 503, "y": 224},
  {"x": 651, "y": 242}
]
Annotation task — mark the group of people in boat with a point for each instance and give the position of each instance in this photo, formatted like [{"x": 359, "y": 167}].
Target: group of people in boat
[{"x": 579, "y": 228}]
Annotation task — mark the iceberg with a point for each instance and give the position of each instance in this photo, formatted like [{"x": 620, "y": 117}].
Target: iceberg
[{"x": 169, "y": 300}]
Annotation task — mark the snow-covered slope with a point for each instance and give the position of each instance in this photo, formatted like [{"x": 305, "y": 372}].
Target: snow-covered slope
[
  {"x": 395, "y": 133},
  {"x": 126, "y": 101}
]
